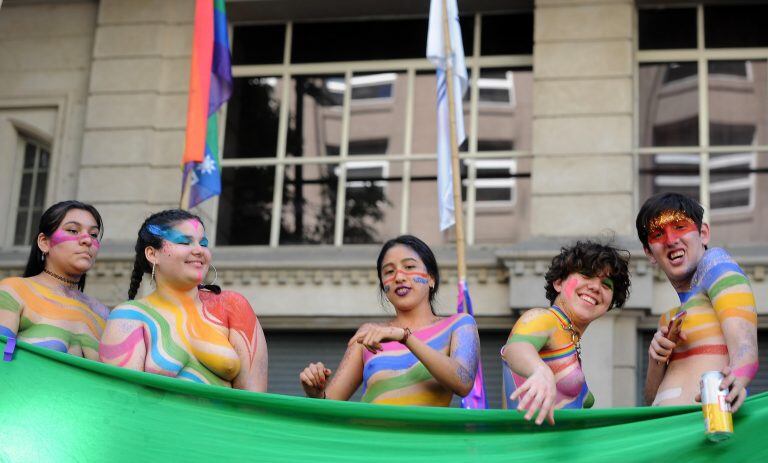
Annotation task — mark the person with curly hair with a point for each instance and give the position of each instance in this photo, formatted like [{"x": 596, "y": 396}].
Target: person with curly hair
[
  {"x": 184, "y": 328},
  {"x": 542, "y": 358}
]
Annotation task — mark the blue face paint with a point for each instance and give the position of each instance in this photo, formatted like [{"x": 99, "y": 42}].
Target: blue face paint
[
  {"x": 421, "y": 280},
  {"x": 174, "y": 236}
]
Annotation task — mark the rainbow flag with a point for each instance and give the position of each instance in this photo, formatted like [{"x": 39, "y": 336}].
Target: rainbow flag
[{"x": 210, "y": 86}]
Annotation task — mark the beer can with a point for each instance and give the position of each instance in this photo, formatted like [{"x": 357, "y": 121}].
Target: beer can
[{"x": 718, "y": 422}]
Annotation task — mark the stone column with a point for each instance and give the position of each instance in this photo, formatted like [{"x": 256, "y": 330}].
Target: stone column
[
  {"x": 582, "y": 123},
  {"x": 136, "y": 111}
]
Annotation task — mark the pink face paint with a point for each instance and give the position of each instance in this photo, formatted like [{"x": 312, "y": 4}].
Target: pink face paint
[
  {"x": 60, "y": 236},
  {"x": 570, "y": 286},
  {"x": 746, "y": 371},
  {"x": 195, "y": 224}
]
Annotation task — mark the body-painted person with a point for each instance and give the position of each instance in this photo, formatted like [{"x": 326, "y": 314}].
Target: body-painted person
[
  {"x": 717, "y": 307},
  {"x": 184, "y": 329},
  {"x": 47, "y": 307},
  {"x": 417, "y": 358},
  {"x": 542, "y": 368}
]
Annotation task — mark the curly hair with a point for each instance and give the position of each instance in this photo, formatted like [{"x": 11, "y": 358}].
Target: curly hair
[
  {"x": 591, "y": 258},
  {"x": 141, "y": 265}
]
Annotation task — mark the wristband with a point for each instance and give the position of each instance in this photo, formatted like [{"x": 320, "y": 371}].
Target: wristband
[{"x": 407, "y": 332}]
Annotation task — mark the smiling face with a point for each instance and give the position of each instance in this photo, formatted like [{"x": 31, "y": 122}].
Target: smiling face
[
  {"x": 676, "y": 244},
  {"x": 182, "y": 261},
  {"x": 405, "y": 279},
  {"x": 72, "y": 247},
  {"x": 583, "y": 298}
]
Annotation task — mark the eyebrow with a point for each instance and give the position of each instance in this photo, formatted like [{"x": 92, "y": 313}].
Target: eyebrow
[{"x": 73, "y": 222}]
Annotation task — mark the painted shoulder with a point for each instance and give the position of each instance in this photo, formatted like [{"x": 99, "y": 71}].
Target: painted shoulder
[
  {"x": 539, "y": 314},
  {"x": 12, "y": 282},
  {"x": 231, "y": 300},
  {"x": 714, "y": 263},
  {"x": 463, "y": 319}
]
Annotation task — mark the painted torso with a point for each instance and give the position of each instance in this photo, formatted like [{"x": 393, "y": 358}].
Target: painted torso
[
  {"x": 396, "y": 377},
  {"x": 65, "y": 321},
  {"x": 719, "y": 290},
  {"x": 182, "y": 340},
  {"x": 547, "y": 333}
]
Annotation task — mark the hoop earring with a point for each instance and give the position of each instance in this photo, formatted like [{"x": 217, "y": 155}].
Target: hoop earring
[
  {"x": 153, "y": 274},
  {"x": 215, "y": 276}
]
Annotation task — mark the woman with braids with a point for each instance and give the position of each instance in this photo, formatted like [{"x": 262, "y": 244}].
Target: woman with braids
[
  {"x": 417, "y": 358},
  {"x": 542, "y": 358},
  {"x": 47, "y": 307},
  {"x": 184, "y": 328}
]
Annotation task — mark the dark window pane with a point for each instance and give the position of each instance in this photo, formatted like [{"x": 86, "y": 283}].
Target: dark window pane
[
  {"x": 493, "y": 194},
  {"x": 736, "y": 26},
  {"x": 258, "y": 44},
  {"x": 669, "y": 104},
  {"x": 737, "y": 94},
  {"x": 29, "y": 156},
  {"x": 662, "y": 173},
  {"x": 245, "y": 205},
  {"x": 44, "y": 158},
  {"x": 36, "y": 213},
  {"x": 25, "y": 193},
  {"x": 20, "y": 235},
  {"x": 510, "y": 34},
  {"x": 663, "y": 29},
  {"x": 369, "y": 215},
  {"x": 253, "y": 115},
  {"x": 309, "y": 204},
  {"x": 366, "y": 40},
  {"x": 42, "y": 181},
  {"x": 315, "y": 115}
]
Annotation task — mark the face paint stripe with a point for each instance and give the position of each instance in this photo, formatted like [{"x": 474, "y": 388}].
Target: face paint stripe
[
  {"x": 7, "y": 302},
  {"x": 710, "y": 349}
]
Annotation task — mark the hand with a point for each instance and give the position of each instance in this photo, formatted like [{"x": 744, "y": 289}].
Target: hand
[
  {"x": 737, "y": 392},
  {"x": 371, "y": 336},
  {"x": 540, "y": 392},
  {"x": 661, "y": 346},
  {"x": 314, "y": 379}
]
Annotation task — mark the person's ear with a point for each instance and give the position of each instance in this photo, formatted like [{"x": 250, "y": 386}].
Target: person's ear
[
  {"x": 649, "y": 255},
  {"x": 151, "y": 254},
  {"x": 705, "y": 234},
  {"x": 558, "y": 284},
  {"x": 44, "y": 243}
]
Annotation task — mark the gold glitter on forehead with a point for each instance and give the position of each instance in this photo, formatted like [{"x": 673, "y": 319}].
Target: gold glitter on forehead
[{"x": 665, "y": 218}]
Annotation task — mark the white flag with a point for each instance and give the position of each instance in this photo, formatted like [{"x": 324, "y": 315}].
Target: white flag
[{"x": 436, "y": 54}]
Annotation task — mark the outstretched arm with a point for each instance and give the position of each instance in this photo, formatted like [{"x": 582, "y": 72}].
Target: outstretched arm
[{"x": 317, "y": 381}]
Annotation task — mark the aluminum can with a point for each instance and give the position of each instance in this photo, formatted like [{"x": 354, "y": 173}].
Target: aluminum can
[{"x": 718, "y": 422}]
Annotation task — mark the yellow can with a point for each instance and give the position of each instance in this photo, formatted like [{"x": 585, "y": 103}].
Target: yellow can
[{"x": 718, "y": 421}]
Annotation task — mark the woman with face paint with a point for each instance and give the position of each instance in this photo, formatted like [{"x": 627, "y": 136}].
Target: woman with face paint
[
  {"x": 184, "y": 328},
  {"x": 47, "y": 307},
  {"x": 417, "y": 358},
  {"x": 542, "y": 358}
]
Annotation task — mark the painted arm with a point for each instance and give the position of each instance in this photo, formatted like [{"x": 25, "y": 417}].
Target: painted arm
[
  {"x": 659, "y": 350},
  {"x": 10, "y": 311},
  {"x": 539, "y": 391},
  {"x": 123, "y": 341},
  {"x": 315, "y": 378},
  {"x": 247, "y": 338},
  {"x": 734, "y": 303}
]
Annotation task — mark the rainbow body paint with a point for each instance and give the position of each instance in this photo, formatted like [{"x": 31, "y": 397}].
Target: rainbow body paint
[
  {"x": 178, "y": 340},
  {"x": 70, "y": 322},
  {"x": 395, "y": 376},
  {"x": 545, "y": 331}
]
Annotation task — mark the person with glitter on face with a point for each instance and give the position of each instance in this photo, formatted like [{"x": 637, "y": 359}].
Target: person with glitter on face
[
  {"x": 717, "y": 308},
  {"x": 47, "y": 306},
  {"x": 416, "y": 358},
  {"x": 542, "y": 368},
  {"x": 185, "y": 328}
]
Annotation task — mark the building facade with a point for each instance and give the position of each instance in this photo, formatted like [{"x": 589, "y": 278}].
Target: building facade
[{"x": 577, "y": 111}]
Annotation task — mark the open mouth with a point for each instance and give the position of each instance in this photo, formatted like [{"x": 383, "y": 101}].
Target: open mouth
[
  {"x": 195, "y": 263},
  {"x": 402, "y": 290},
  {"x": 589, "y": 299},
  {"x": 676, "y": 256}
]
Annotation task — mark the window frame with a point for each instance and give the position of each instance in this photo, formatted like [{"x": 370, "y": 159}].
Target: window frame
[{"x": 286, "y": 71}]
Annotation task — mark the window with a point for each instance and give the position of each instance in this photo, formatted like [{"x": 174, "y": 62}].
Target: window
[
  {"x": 336, "y": 143},
  {"x": 34, "y": 181},
  {"x": 703, "y": 113}
]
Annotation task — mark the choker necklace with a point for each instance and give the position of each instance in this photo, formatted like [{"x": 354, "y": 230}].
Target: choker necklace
[
  {"x": 575, "y": 336},
  {"x": 61, "y": 278}
]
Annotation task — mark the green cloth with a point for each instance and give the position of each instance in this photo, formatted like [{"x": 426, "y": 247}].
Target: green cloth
[{"x": 59, "y": 408}]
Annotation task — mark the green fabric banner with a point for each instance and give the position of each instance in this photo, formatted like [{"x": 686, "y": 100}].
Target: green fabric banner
[{"x": 58, "y": 408}]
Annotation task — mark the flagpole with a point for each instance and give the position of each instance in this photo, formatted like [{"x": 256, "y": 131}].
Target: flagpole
[{"x": 456, "y": 172}]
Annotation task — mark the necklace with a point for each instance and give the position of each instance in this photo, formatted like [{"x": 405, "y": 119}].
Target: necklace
[
  {"x": 61, "y": 278},
  {"x": 568, "y": 326}
]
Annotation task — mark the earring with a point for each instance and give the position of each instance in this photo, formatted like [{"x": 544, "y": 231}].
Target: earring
[
  {"x": 42, "y": 257},
  {"x": 215, "y": 276},
  {"x": 153, "y": 273}
]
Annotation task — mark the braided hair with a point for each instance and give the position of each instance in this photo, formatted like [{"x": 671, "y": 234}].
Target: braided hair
[{"x": 141, "y": 265}]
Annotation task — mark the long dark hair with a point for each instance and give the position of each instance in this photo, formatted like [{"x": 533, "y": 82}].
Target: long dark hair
[
  {"x": 49, "y": 223},
  {"x": 425, "y": 254},
  {"x": 141, "y": 265}
]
